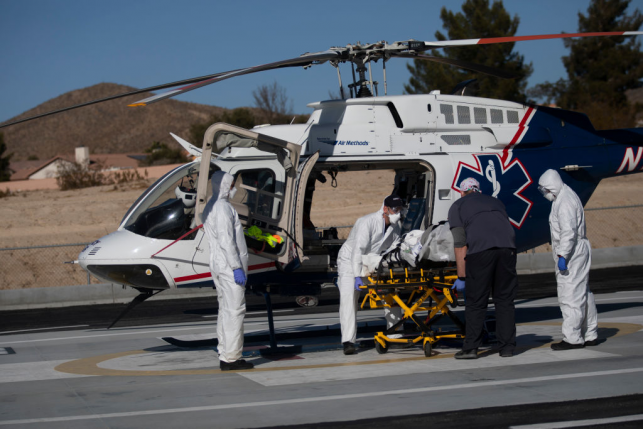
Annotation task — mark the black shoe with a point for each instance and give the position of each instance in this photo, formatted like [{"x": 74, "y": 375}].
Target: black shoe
[
  {"x": 563, "y": 345},
  {"x": 591, "y": 343},
  {"x": 237, "y": 365},
  {"x": 467, "y": 354},
  {"x": 506, "y": 353},
  {"x": 349, "y": 348}
]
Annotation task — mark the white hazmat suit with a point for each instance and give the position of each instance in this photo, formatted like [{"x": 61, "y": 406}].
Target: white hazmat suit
[
  {"x": 568, "y": 239},
  {"x": 369, "y": 235},
  {"x": 228, "y": 252}
]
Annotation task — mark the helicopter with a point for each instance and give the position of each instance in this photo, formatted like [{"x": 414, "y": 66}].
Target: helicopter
[{"x": 430, "y": 141}]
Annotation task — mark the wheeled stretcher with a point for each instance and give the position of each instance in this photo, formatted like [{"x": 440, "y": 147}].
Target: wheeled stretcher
[{"x": 384, "y": 289}]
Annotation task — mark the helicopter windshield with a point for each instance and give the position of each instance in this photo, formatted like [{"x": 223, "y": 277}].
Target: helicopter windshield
[{"x": 166, "y": 210}]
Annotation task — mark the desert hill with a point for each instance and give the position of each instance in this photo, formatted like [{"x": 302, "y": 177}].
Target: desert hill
[{"x": 109, "y": 127}]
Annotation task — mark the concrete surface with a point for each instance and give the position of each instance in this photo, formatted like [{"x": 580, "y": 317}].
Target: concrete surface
[{"x": 129, "y": 377}]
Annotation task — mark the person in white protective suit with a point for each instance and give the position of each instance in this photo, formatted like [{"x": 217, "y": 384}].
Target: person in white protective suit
[
  {"x": 229, "y": 267},
  {"x": 572, "y": 253},
  {"x": 372, "y": 233}
]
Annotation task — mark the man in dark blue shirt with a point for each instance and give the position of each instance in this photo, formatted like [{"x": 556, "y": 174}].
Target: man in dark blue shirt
[{"x": 485, "y": 251}]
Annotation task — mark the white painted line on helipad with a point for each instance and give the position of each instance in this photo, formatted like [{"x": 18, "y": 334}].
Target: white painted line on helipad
[
  {"x": 274, "y": 311},
  {"x": 43, "y": 329},
  {"x": 317, "y": 399},
  {"x": 114, "y": 334},
  {"x": 554, "y": 301},
  {"x": 581, "y": 423},
  {"x": 156, "y": 331}
]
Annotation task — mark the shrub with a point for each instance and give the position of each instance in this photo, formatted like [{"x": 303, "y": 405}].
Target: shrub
[
  {"x": 73, "y": 175},
  {"x": 76, "y": 176}
]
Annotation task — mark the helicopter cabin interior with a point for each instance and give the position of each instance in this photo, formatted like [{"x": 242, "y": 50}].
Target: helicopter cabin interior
[
  {"x": 411, "y": 180},
  {"x": 167, "y": 211}
]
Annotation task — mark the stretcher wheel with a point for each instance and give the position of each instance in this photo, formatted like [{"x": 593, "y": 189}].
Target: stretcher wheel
[
  {"x": 380, "y": 348},
  {"x": 427, "y": 349}
]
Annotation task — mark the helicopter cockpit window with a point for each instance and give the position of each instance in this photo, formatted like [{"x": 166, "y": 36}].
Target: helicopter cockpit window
[
  {"x": 167, "y": 212},
  {"x": 256, "y": 189}
]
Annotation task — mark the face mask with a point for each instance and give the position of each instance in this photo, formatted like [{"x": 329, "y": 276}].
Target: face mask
[
  {"x": 394, "y": 217},
  {"x": 233, "y": 192},
  {"x": 546, "y": 193}
]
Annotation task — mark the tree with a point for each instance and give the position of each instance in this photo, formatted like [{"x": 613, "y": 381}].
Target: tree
[
  {"x": 600, "y": 69},
  {"x": 5, "y": 173},
  {"x": 476, "y": 20},
  {"x": 274, "y": 102},
  {"x": 161, "y": 154}
]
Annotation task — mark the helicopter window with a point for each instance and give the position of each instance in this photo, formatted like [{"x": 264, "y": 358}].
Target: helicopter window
[
  {"x": 396, "y": 116},
  {"x": 447, "y": 111},
  {"x": 496, "y": 116},
  {"x": 457, "y": 140},
  {"x": 464, "y": 115},
  {"x": 512, "y": 117},
  {"x": 428, "y": 106},
  {"x": 167, "y": 212},
  {"x": 480, "y": 115},
  {"x": 257, "y": 190}
]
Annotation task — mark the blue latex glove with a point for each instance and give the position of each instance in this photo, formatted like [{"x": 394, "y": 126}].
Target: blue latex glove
[
  {"x": 358, "y": 283},
  {"x": 239, "y": 277},
  {"x": 562, "y": 263},
  {"x": 458, "y": 285}
]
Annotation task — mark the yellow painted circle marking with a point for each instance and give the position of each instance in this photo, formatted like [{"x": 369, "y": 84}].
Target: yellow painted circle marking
[{"x": 90, "y": 365}]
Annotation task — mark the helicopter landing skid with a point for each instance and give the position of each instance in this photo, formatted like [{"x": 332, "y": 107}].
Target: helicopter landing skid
[{"x": 136, "y": 301}]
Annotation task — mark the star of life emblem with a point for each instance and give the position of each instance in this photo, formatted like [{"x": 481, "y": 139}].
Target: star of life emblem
[{"x": 505, "y": 182}]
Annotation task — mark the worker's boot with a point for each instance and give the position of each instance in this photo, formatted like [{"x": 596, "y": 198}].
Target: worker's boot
[
  {"x": 564, "y": 345},
  {"x": 591, "y": 343},
  {"x": 237, "y": 365},
  {"x": 349, "y": 348},
  {"x": 467, "y": 354}
]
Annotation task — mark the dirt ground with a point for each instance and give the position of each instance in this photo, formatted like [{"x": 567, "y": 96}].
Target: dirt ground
[{"x": 64, "y": 217}]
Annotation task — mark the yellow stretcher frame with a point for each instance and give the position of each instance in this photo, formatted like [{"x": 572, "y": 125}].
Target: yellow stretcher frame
[{"x": 384, "y": 292}]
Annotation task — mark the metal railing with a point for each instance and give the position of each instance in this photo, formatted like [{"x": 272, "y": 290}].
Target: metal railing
[{"x": 44, "y": 266}]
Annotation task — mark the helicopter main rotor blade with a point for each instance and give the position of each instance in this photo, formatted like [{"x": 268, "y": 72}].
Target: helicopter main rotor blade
[
  {"x": 302, "y": 61},
  {"x": 117, "y": 96},
  {"x": 193, "y": 83},
  {"x": 491, "y": 40},
  {"x": 463, "y": 65}
]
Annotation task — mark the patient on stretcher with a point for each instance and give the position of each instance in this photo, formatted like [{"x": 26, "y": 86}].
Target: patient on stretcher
[{"x": 416, "y": 248}]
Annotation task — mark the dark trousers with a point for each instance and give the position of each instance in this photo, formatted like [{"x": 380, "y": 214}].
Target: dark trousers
[{"x": 492, "y": 272}]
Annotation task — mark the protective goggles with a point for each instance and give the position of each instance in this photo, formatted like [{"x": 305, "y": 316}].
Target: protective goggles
[{"x": 543, "y": 190}]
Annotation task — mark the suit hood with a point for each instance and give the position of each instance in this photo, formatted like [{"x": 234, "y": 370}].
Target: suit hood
[{"x": 551, "y": 181}]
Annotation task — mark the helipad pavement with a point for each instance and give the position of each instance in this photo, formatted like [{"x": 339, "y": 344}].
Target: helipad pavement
[{"x": 129, "y": 377}]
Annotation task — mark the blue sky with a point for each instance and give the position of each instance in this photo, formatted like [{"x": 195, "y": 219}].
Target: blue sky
[{"x": 50, "y": 47}]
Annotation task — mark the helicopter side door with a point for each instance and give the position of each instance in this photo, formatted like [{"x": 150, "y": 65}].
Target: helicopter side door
[{"x": 266, "y": 182}]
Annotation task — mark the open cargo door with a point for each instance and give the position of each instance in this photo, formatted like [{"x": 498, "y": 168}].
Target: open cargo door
[
  {"x": 298, "y": 215},
  {"x": 264, "y": 211}
]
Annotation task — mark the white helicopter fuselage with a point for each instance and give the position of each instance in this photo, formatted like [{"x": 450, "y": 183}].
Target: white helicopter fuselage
[{"x": 432, "y": 141}]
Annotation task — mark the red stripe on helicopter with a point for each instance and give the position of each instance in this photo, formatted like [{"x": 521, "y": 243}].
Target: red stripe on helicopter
[
  {"x": 518, "y": 135},
  {"x": 208, "y": 275},
  {"x": 546, "y": 36},
  {"x": 193, "y": 277}
]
